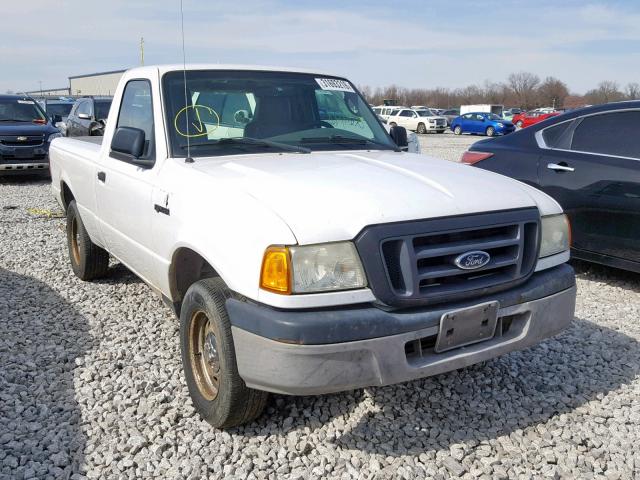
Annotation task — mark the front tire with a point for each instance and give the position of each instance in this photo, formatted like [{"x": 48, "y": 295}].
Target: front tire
[
  {"x": 457, "y": 130},
  {"x": 490, "y": 131},
  {"x": 88, "y": 260},
  {"x": 422, "y": 129},
  {"x": 217, "y": 391}
]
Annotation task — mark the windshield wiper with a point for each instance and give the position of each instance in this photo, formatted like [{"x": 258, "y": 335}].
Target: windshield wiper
[
  {"x": 341, "y": 140},
  {"x": 251, "y": 141}
]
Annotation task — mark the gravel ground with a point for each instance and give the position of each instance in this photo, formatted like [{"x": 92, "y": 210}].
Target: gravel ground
[
  {"x": 91, "y": 386},
  {"x": 446, "y": 145}
]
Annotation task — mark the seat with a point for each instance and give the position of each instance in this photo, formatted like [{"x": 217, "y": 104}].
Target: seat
[{"x": 273, "y": 116}]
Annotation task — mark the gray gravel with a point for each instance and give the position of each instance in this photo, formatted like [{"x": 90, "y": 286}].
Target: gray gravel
[{"x": 91, "y": 386}]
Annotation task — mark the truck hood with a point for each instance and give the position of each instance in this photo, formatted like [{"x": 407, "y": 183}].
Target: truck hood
[{"x": 329, "y": 196}]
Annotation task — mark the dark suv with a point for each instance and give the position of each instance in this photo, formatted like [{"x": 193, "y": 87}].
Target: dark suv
[
  {"x": 25, "y": 135},
  {"x": 88, "y": 116}
]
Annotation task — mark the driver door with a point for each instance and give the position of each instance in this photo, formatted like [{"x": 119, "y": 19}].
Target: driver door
[{"x": 124, "y": 190}]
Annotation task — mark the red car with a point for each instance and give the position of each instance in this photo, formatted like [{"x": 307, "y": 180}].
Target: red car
[{"x": 526, "y": 119}]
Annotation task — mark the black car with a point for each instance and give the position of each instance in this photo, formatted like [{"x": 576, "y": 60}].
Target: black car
[
  {"x": 25, "y": 135},
  {"x": 589, "y": 161},
  {"x": 88, "y": 116}
]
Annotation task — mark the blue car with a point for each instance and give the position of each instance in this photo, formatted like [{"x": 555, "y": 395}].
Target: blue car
[{"x": 479, "y": 123}]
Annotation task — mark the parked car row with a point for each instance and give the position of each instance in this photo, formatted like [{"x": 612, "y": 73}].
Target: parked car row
[{"x": 27, "y": 127}]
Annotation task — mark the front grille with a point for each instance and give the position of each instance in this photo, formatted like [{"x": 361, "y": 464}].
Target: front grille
[
  {"x": 415, "y": 264},
  {"x": 31, "y": 140},
  {"x": 441, "y": 122}
]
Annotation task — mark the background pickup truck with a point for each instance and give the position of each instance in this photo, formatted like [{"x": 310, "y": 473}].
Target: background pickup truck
[{"x": 303, "y": 251}]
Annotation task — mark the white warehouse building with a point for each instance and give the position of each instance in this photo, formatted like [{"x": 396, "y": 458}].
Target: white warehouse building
[{"x": 103, "y": 83}]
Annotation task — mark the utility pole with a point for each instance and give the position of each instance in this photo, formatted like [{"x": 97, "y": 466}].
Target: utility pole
[{"x": 142, "y": 51}]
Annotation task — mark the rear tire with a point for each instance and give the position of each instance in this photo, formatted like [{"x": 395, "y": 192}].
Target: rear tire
[
  {"x": 88, "y": 260},
  {"x": 490, "y": 131},
  {"x": 217, "y": 391},
  {"x": 422, "y": 129},
  {"x": 457, "y": 130}
]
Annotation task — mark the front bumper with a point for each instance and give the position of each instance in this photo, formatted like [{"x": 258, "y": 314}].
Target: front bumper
[
  {"x": 31, "y": 166},
  {"x": 265, "y": 362}
]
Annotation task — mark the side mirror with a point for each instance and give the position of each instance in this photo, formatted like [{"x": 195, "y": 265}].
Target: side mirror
[
  {"x": 399, "y": 136},
  {"x": 56, "y": 118},
  {"x": 84, "y": 116},
  {"x": 128, "y": 145}
]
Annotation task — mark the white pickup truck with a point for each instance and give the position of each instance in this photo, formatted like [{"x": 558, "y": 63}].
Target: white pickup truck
[{"x": 303, "y": 251}]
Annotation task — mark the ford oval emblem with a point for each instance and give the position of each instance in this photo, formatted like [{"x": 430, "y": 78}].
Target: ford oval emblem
[
  {"x": 472, "y": 260},
  {"x": 22, "y": 139}
]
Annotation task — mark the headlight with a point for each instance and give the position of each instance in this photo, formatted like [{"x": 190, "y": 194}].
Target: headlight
[
  {"x": 54, "y": 135},
  {"x": 556, "y": 235},
  {"x": 501, "y": 125},
  {"x": 312, "y": 268}
]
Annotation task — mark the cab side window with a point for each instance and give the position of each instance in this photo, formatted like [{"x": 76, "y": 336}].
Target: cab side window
[
  {"x": 615, "y": 133},
  {"x": 136, "y": 111},
  {"x": 84, "y": 107}
]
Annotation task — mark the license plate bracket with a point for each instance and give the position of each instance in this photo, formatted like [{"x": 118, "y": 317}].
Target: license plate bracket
[
  {"x": 466, "y": 326},
  {"x": 23, "y": 153}
]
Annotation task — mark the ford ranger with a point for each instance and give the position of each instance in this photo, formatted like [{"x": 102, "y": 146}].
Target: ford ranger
[{"x": 302, "y": 249}]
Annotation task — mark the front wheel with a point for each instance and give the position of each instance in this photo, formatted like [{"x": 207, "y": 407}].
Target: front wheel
[
  {"x": 490, "y": 131},
  {"x": 519, "y": 124},
  {"x": 457, "y": 130},
  {"x": 218, "y": 392},
  {"x": 422, "y": 129}
]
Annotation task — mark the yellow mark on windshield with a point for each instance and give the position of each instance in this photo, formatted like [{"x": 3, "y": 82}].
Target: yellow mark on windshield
[{"x": 202, "y": 127}]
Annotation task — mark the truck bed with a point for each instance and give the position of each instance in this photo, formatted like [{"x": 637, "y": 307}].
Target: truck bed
[{"x": 95, "y": 139}]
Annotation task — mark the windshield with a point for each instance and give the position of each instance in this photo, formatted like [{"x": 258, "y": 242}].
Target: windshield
[
  {"x": 493, "y": 116},
  {"x": 20, "y": 110},
  {"x": 290, "y": 109},
  {"x": 102, "y": 109},
  {"x": 61, "y": 109}
]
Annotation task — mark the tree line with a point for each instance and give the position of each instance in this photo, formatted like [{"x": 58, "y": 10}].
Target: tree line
[{"x": 522, "y": 89}]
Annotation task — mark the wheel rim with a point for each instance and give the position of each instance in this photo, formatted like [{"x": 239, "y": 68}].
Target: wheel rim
[
  {"x": 75, "y": 245},
  {"x": 204, "y": 355},
  {"x": 490, "y": 132},
  {"x": 458, "y": 130},
  {"x": 421, "y": 129}
]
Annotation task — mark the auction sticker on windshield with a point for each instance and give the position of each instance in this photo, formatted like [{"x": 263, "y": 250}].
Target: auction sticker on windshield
[{"x": 335, "y": 84}]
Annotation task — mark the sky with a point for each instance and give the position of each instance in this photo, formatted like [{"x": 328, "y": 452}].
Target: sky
[{"x": 410, "y": 43}]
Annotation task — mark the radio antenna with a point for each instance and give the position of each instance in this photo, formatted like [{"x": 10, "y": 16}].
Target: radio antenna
[{"x": 184, "y": 76}]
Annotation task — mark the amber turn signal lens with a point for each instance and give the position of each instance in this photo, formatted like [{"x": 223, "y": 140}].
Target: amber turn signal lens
[{"x": 276, "y": 270}]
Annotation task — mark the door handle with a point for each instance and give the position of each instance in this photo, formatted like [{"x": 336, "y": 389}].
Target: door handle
[
  {"x": 560, "y": 167},
  {"x": 102, "y": 176}
]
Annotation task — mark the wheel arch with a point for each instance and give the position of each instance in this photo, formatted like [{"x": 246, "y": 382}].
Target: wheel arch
[
  {"x": 66, "y": 194},
  {"x": 187, "y": 267}
]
